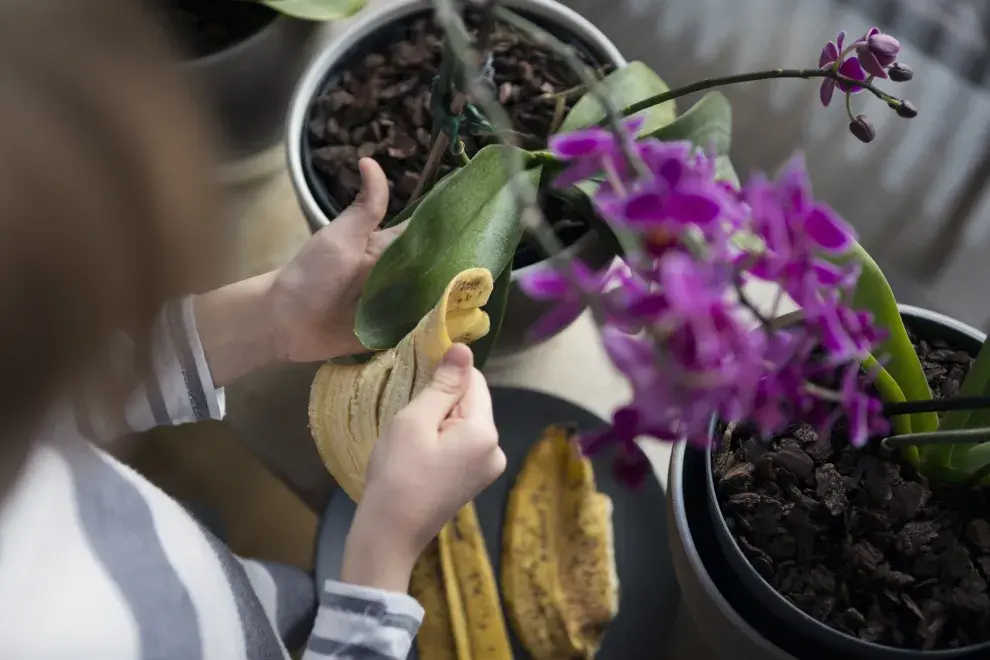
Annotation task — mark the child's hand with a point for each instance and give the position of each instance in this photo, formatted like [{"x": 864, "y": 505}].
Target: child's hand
[
  {"x": 314, "y": 297},
  {"x": 435, "y": 456}
]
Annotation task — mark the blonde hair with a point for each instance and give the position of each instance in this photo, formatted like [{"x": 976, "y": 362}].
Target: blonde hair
[{"x": 104, "y": 191}]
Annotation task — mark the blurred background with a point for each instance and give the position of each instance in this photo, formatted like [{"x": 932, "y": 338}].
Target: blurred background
[{"x": 918, "y": 193}]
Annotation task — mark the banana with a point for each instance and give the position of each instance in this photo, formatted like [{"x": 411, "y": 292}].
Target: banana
[
  {"x": 476, "y": 613},
  {"x": 558, "y": 559},
  {"x": 349, "y": 405},
  {"x": 435, "y": 640}
]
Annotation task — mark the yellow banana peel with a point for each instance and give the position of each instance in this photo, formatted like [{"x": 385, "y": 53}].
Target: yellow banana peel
[
  {"x": 558, "y": 559},
  {"x": 349, "y": 405}
]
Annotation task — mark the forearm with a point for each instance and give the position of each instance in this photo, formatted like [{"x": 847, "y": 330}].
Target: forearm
[
  {"x": 368, "y": 613},
  {"x": 237, "y": 328}
]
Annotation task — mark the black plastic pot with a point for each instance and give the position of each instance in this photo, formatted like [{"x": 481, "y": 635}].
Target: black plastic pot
[
  {"x": 382, "y": 26},
  {"x": 799, "y": 625},
  {"x": 246, "y": 87}
]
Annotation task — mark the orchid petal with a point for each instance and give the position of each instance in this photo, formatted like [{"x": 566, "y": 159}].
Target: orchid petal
[{"x": 828, "y": 230}]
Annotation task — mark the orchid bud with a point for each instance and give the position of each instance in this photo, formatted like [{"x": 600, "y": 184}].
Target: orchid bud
[
  {"x": 877, "y": 51},
  {"x": 907, "y": 110},
  {"x": 900, "y": 72},
  {"x": 862, "y": 129}
]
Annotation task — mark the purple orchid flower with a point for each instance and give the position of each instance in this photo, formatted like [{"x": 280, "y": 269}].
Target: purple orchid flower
[{"x": 850, "y": 68}]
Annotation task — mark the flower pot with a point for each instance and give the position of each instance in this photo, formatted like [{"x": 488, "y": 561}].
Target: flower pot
[
  {"x": 813, "y": 633},
  {"x": 385, "y": 26},
  {"x": 245, "y": 75}
]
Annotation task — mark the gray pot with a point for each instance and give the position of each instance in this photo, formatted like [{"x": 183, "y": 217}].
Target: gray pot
[
  {"x": 246, "y": 88},
  {"x": 722, "y": 589},
  {"x": 522, "y": 311}
]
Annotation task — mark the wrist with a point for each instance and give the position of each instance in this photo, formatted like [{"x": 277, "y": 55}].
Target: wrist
[
  {"x": 236, "y": 328},
  {"x": 374, "y": 556}
]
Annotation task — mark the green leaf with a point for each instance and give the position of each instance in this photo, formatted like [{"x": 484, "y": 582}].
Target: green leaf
[
  {"x": 707, "y": 123},
  {"x": 890, "y": 392},
  {"x": 632, "y": 83},
  {"x": 470, "y": 220},
  {"x": 724, "y": 171},
  {"x": 495, "y": 309},
  {"x": 977, "y": 383},
  {"x": 873, "y": 293},
  {"x": 316, "y": 10}
]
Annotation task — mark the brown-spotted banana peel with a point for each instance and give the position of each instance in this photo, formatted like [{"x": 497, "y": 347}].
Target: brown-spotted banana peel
[
  {"x": 349, "y": 405},
  {"x": 558, "y": 560}
]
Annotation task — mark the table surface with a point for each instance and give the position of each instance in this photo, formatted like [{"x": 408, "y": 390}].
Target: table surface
[{"x": 267, "y": 411}]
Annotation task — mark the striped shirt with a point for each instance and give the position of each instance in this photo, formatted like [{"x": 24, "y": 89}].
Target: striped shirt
[{"x": 96, "y": 562}]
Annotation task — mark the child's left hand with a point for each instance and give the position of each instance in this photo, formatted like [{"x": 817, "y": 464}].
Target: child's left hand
[{"x": 314, "y": 297}]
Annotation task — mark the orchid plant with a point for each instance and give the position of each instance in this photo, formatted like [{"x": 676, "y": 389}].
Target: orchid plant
[{"x": 675, "y": 319}]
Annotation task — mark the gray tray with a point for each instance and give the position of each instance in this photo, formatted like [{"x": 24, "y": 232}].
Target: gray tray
[{"x": 649, "y": 597}]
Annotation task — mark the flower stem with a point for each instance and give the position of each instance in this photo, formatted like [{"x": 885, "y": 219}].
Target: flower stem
[{"x": 772, "y": 74}]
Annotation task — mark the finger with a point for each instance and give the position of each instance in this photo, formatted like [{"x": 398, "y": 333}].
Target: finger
[
  {"x": 446, "y": 389},
  {"x": 369, "y": 208},
  {"x": 476, "y": 406},
  {"x": 381, "y": 239}
]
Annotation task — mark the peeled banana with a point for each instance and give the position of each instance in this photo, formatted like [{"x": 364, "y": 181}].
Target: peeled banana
[
  {"x": 435, "y": 640},
  {"x": 559, "y": 582},
  {"x": 472, "y": 595},
  {"x": 350, "y": 404}
]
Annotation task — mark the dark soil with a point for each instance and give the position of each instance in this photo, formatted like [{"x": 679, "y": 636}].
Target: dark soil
[
  {"x": 203, "y": 27},
  {"x": 855, "y": 538},
  {"x": 379, "y": 107}
]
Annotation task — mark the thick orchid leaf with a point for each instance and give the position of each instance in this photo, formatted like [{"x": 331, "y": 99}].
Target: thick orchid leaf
[
  {"x": 890, "y": 392},
  {"x": 873, "y": 294},
  {"x": 724, "y": 171},
  {"x": 707, "y": 123},
  {"x": 470, "y": 220},
  {"x": 495, "y": 309},
  {"x": 977, "y": 383},
  {"x": 632, "y": 83},
  {"x": 316, "y": 10}
]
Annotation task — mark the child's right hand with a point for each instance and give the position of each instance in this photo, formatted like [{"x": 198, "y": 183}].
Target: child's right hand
[{"x": 434, "y": 457}]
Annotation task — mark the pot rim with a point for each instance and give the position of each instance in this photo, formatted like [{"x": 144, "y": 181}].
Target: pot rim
[
  {"x": 237, "y": 48},
  {"x": 675, "y": 487},
  {"x": 375, "y": 19},
  {"x": 881, "y": 650}
]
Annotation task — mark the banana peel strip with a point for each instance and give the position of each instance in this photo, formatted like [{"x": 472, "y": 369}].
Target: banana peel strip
[
  {"x": 349, "y": 405},
  {"x": 559, "y": 581}
]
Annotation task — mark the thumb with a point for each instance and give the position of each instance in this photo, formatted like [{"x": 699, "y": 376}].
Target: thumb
[
  {"x": 449, "y": 384},
  {"x": 371, "y": 204}
]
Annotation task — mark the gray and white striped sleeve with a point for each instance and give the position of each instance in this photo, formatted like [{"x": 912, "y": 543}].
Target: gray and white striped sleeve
[
  {"x": 356, "y": 622},
  {"x": 179, "y": 388}
]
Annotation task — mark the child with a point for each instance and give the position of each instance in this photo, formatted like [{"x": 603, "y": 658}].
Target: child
[{"x": 104, "y": 211}]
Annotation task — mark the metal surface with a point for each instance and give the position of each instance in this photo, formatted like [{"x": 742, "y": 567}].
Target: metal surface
[{"x": 649, "y": 595}]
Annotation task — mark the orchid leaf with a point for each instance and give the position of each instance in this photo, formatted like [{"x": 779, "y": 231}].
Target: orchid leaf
[
  {"x": 632, "y": 83},
  {"x": 316, "y": 10},
  {"x": 873, "y": 294},
  {"x": 469, "y": 220},
  {"x": 890, "y": 392},
  {"x": 707, "y": 124},
  {"x": 724, "y": 171},
  {"x": 977, "y": 383}
]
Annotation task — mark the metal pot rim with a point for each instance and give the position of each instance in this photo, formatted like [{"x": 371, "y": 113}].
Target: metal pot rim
[
  {"x": 717, "y": 517},
  {"x": 237, "y": 49},
  {"x": 372, "y": 21}
]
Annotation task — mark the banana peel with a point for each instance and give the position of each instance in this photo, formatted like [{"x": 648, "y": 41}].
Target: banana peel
[
  {"x": 454, "y": 582},
  {"x": 559, "y": 581},
  {"x": 349, "y": 405}
]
